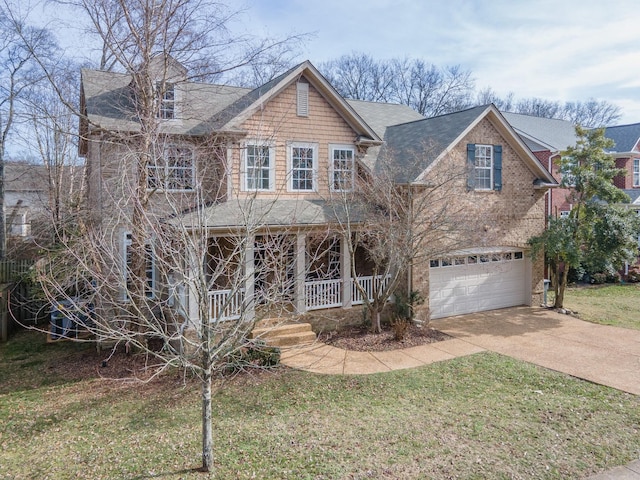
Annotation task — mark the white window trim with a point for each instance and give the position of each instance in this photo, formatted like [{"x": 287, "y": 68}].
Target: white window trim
[
  {"x": 127, "y": 243},
  {"x": 272, "y": 166},
  {"x": 636, "y": 172},
  {"x": 332, "y": 149},
  {"x": 490, "y": 168},
  {"x": 177, "y": 97},
  {"x": 165, "y": 165},
  {"x": 314, "y": 147}
]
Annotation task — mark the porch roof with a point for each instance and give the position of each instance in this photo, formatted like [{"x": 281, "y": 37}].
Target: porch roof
[{"x": 256, "y": 213}]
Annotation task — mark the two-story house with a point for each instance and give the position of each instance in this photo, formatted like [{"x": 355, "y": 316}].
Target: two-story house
[
  {"x": 547, "y": 138},
  {"x": 276, "y": 154},
  {"x": 626, "y": 152}
]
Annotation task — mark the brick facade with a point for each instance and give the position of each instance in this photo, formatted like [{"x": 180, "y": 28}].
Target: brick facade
[{"x": 506, "y": 218}]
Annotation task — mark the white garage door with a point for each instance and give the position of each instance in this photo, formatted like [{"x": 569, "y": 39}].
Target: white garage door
[{"x": 476, "y": 282}]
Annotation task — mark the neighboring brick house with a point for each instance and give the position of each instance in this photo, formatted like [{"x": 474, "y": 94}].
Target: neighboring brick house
[
  {"x": 626, "y": 152},
  {"x": 547, "y": 138},
  {"x": 283, "y": 147}
]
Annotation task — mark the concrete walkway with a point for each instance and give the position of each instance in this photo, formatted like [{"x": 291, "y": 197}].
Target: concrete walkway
[{"x": 601, "y": 354}]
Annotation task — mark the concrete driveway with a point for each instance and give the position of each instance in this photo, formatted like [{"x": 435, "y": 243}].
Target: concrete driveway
[{"x": 601, "y": 354}]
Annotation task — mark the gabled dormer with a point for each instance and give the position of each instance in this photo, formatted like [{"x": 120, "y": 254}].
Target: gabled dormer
[{"x": 168, "y": 77}]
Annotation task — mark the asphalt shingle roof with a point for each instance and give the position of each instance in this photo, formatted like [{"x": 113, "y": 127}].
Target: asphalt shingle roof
[
  {"x": 110, "y": 104},
  {"x": 403, "y": 142},
  {"x": 273, "y": 212},
  {"x": 543, "y": 133},
  {"x": 625, "y": 136}
]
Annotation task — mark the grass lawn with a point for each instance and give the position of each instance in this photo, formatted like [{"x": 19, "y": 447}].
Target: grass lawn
[
  {"x": 606, "y": 304},
  {"x": 482, "y": 416}
]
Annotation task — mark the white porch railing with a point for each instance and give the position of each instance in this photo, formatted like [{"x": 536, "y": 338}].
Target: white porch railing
[
  {"x": 319, "y": 294},
  {"x": 370, "y": 284},
  {"x": 226, "y": 304},
  {"x": 323, "y": 294}
]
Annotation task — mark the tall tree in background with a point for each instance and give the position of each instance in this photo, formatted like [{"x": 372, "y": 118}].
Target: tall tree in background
[
  {"x": 427, "y": 88},
  {"x": 53, "y": 142},
  {"x": 598, "y": 231},
  {"x": 590, "y": 113},
  {"x": 19, "y": 72}
]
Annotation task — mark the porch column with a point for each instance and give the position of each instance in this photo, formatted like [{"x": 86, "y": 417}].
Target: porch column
[
  {"x": 249, "y": 279},
  {"x": 191, "y": 282},
  {"x": 300, "y": 273},
  {"x": 345, "y": 272}
]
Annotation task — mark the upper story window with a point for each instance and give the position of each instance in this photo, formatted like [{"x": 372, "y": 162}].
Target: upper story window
[
  {"x": 166, "y": 100},
  {"x": 342, "y": 169},
  {"x": 174, "y": 170},
  {"x": 259, "y": 167},
  {"x": 636, "y": 172},
  {"x": 485, "y": 167},
  {"x": 303, "y": 160}
]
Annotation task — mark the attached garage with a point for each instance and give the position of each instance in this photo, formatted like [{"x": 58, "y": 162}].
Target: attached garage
[{"x": 478, "y": 280}]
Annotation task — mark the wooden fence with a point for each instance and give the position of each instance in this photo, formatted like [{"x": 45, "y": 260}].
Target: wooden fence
[{"x": 15, "y": 306}]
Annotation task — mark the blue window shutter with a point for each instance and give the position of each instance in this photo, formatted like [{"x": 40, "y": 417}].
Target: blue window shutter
[
  {"x": 497, "y": 167},
  {"x": 471, "y": 166}
]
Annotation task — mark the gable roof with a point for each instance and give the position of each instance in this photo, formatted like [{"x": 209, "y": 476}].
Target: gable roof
[
  {"x": 205, "y": 108},
  {"x": 436, "y": 136},
  {"x": 625, "y": 136},
  {"x": 543, "y": 133},
  {"x": 232, "y": 117},
  {"x": 379, "y": 115}
]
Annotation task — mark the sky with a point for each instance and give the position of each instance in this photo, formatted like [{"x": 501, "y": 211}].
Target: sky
[{"x": 564, "y": 50}]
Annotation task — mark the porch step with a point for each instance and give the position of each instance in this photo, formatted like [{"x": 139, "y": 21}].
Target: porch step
[{"x": 289, "y": 335}]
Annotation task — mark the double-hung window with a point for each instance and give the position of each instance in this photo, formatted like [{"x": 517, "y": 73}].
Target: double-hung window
[
  {"x": 166, "y": 100},
  {"x": 259, "y": 171},
  {"x": 485, "y": 167},
  {"x": 342, "y": 167},
  {"x": 636, "y": 172},
  {"x": 303, "y": 160},
  {"x": 173, "y": 170},
  {"x": 149, "y": 267}
]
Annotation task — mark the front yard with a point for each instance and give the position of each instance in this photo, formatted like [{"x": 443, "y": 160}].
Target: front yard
[
  {"x": 605, "y": 304},
  {"x": 483, "y": 416}
]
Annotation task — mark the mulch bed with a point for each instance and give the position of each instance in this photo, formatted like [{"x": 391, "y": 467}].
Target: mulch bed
[{"x": 362, "y": 340}]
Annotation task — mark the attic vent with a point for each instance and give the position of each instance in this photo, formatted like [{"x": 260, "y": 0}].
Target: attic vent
[{"x": 303, "y": 98}]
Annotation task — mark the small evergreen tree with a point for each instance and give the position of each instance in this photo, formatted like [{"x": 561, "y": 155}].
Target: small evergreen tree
[{"x": 598, "y": 232}]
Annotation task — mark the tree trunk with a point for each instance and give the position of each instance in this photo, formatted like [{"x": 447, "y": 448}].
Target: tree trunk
[
  {"x": 207, "y": 436},
  {"x": 376, "y": 326},
  {"x": 562, "y": 285}
]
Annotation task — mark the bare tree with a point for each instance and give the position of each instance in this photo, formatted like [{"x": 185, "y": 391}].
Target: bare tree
[
  {"x": 52, "y": 138},
  {"x": 108, "y": 269},
  {"x": 488, "y": 95},
  {"x": 427, "y": 88},
  {"x": 397, "y": 225},
  {"x": 19, "y": 44},
  {"x": 590, "y": 113}
]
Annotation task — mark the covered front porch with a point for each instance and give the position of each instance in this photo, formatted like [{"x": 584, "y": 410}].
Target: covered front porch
[{"x": 296, "y": 272}]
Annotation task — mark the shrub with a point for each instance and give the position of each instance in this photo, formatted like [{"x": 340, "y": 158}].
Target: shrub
[
  {"x": 634, "y": 275},
  {"x": 400, "y": 326},
  {"x": 254, "y": 354}
]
